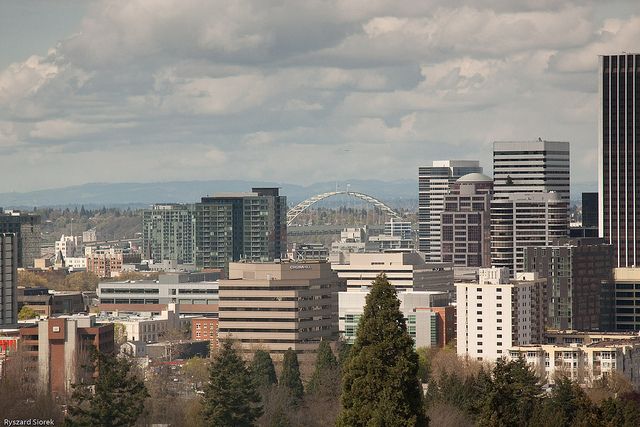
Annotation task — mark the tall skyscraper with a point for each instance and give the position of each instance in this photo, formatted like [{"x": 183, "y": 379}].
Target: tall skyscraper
[
  {"x": 524, "y": 220},
  {"x": 26, "y": 227},
  {"x": 8, "y": 277},
  {"x": 466, "y": 222},
  {"x": 619, "y": 165},
  {"x": 531, "y": 167},
  {"x": 168, "y": 233},
  {"x": 240, "y": 226},
  {"x": 433, "y": 185}
]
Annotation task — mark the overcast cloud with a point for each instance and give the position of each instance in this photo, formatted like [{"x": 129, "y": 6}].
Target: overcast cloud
[{"x": 296, "y": 91}]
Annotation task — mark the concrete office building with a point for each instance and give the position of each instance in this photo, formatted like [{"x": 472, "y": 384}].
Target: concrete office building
[
  {"x": 308, "y": 252},
  {"x": 26, "y": 227},
  {"x": 194, "y": 293},
  {"x": 497, "y": 313},
  {"x": 404, "y": 270},
  {"x": 422, "y": 324},
  {"x": 68, "y": 246},
  {"x": 8, "y": 279},
  {"x": 241, "y": 226},
  {"x": 145, "y": 328},
  {"x": 57, "y": 347},
  {"x": 466, "y": 222},
  {"x": 525, "y": 220},
  {"x": 277, "y": 306},
  {"x": 619, "y": 165},
  {"x": 168, "y": 233},
  {"x": 433, "y": 184},
  {"x": 584, "y": 362},
  {"x": 577, "y": 272},
  {"x": 523, "y": 167},
  {"x": 627, "y": 298},
  {"x": 352, "y": 240},
  {"x": 89, "y": 236}
]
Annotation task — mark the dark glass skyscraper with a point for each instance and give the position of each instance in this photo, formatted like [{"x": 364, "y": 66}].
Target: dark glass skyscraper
[{"x": 619, "y": 165}]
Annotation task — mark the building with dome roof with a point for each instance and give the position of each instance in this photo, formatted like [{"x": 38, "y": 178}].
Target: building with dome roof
[{"x": 466, "y": 222}]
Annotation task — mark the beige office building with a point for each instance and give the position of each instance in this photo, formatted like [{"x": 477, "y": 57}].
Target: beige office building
[
  {"x": 276, "y": 306},
  {"x": 406, "y": 271}
]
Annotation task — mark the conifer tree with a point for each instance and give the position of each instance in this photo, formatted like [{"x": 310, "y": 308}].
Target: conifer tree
[
  {"x": 326, "y": 375},
  {"x": 118, "y": 397},
  {"x": 512, "y": 396},
  {"x": 380, "y": 382},
  {"x": 262, "y": 369},
  {"x": 290, "y": 376},
  {"x": 231, "y": 398}
]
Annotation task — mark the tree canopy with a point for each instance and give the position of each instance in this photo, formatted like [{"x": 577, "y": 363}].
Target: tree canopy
[
  {"x": 231, "y": 398},
  {"x": 115, "y": 398}
]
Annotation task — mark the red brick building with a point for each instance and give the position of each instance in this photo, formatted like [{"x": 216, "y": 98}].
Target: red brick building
[
  {"x": 56, "y": 348},
  {"x": 205, "y": 329}
]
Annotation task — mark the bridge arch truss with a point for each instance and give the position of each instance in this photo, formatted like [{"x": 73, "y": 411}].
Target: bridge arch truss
[{"x": 302, "y": 206}]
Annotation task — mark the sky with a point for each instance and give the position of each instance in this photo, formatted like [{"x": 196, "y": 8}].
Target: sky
[{"x": 294, "y": 91}]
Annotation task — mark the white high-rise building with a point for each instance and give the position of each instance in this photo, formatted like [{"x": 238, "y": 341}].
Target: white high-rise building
[
  {"x": 497, "y": 313},
  {"x": 433, "y": 185},
  {"x": 530, "y": 167}
]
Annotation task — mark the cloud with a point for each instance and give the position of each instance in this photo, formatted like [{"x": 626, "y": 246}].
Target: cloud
[{"x": 280, "y": 89}]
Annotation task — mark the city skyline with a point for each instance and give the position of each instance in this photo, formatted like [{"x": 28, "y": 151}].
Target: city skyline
[{"x": 120, "y": 92}]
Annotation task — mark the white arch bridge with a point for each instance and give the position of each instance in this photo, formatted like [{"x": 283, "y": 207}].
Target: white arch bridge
[{"x": 302, "y": 206}]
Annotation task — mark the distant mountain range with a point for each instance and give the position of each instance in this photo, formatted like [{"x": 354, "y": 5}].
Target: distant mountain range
[
  {"x": 399, "y": 193},
  {"x": 144, "y": 194}
]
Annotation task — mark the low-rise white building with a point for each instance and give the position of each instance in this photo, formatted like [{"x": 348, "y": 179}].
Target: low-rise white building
[
  {"x": 421, "y": 324},
  {"x": 497, "y": 313},
  {"x": 584, "y": 363}
]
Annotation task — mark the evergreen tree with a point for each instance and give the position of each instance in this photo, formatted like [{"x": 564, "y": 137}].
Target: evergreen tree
[
  {"x": 623, "y": 411},
  {"x": 326, "y": 375},
  {"x": 262, "y": 369},
  {"x": 290, "y": 376},
  {"x": 231, "y": 398},
  {"x": 568, "y": 405},
  {"x": 380, "y": 383},
  {"x": 512, "y": 396},
  {"x": 118, "y": 399}
]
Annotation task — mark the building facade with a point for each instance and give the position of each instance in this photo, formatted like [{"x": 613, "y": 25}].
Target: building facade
[
  {"x": 57, "y": 348},
  {"x": 466, "y": 222},
  {"x": 277, "y": 306},
  {"x": 404, "y": 270},
  {"x": 194, "y": 293},
  {"x": 205, "y": 329},
  {"x": 8, "y": 278},
  {"x": 627, "y": 298},
  {"x": 498, "y": 313},
  {"x": 433, "y": 185},
  {"x": 241, "y": 226},
  {"x": 524, "y": 167},
  {"x": 168, "y": 233},
  {"x": 26, "y": 227},
  {"x": 525, "y": 220},
  {"x": 424, "y": 325},
  {"x": 618, "y": 140},
  {"x": 577, "y": 272},
  {"x": 582, "y": 362}
]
